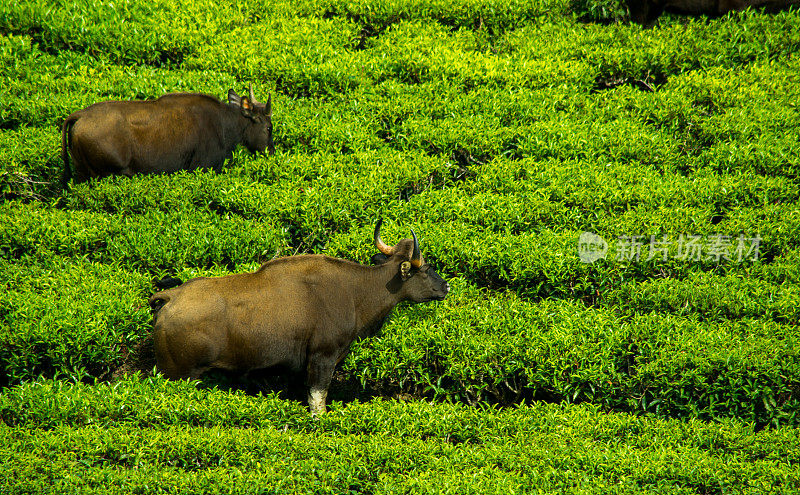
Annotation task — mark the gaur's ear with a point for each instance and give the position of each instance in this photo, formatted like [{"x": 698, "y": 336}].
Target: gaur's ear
[
  {"x": 405, "y": 270},
  {"x": 233, "y": 98},
  {"x": 241, "y": 101},
  {"x": 268, "y": 109}
]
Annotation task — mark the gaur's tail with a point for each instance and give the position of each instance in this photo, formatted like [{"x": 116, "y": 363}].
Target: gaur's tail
[
  {"x": 65, "y": 138},
  {"x": 159, "y": 299}
]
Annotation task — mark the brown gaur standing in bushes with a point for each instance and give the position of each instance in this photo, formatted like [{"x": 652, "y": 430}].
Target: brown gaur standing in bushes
[
  {"x": 178, "y": 131},
  {"x": 299, "y": 312},
  {"x": 645, "y": 12}
]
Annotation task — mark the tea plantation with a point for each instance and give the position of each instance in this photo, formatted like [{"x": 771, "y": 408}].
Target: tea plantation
[{"x": 502, "y": 133}]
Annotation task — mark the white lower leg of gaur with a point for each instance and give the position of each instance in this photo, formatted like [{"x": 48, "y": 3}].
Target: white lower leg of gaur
[{"x": 316, "y": 401}]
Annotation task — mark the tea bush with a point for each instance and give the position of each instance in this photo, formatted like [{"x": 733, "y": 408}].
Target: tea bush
[
  {"x": 68, "y": 318},
  {"x": 152, "y": 434},
  {"x": 156, "y": 241},
  {"x": 480, "y": 347}
]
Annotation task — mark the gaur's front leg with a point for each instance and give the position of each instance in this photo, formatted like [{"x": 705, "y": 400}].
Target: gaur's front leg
[{"x": 320, "y": 373}]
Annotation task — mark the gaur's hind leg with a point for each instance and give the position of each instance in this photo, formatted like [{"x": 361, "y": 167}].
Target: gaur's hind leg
[{"x": 320, "y": 373}]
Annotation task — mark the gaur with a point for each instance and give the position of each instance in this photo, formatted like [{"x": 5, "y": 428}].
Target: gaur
[
  {"x": 645, "y": 12},
  {"x": 178, "y": 131},
  {"x": 297, "y": 312}
]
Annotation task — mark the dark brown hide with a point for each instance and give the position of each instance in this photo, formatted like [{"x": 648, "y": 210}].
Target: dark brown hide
[
  {"x": 179, "y": 131},
  {"x": 645, "y": 12},
  {"x": 300, "y": 312}
]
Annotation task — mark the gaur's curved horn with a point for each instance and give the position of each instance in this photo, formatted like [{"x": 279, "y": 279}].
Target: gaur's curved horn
[
  {"x": 382, "y": 246},
  {"x": 416, "y": 256},
  {"x": 252, "y": 98}
]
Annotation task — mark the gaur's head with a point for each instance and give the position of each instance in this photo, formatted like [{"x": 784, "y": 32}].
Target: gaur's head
[
  {"x": 417, "y": 280},
  {"x": 257, "y": 135}
]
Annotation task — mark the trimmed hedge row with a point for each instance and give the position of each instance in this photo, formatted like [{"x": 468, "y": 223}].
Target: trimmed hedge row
[
  {"x": 153, "y": 434},
  {"x": 156, "y": 241},
  {"x": 229, "y": 223},
  {"x": 130, "y": 32},
  {"x": 67, "y": 318},
  {"x": 711, "y": 297},
  {"x": 479, "y": 346}
]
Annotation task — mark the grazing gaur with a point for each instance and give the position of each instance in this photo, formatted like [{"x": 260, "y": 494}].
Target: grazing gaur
[
  {"x": 645, "y": 12},
  {"x": 178, "y": 131},
  {"x": 299, "y": 312}
]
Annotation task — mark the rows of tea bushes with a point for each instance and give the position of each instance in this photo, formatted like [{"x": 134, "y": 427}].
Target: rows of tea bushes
[
  {"x": 163, "y": 33},
  {"x": 697, "y": 120},
  {"x": 498, "y": 132},
  {"x": 701, "y": 361},
  {"x": 662, "y": 345},
  {"x": 501, "y": 348},
  {"x": 153, "y": 435}
]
